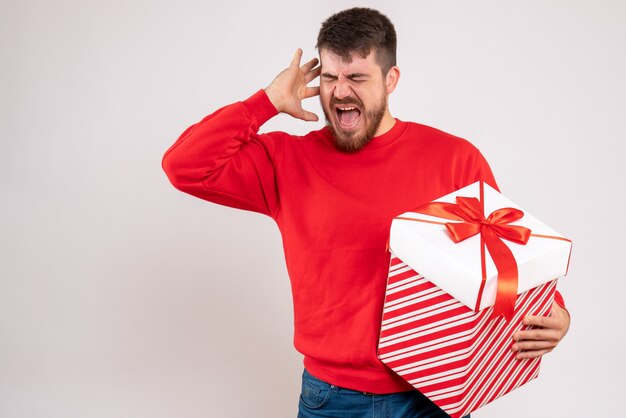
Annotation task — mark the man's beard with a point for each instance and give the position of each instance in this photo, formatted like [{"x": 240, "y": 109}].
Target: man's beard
[{"x": 348, "y": 141}]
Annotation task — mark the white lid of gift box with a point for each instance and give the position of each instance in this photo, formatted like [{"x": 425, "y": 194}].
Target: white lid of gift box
[{"x": 456, "y": 268}]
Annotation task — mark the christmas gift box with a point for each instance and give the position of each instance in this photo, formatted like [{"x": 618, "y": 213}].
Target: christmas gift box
[{"x": 448, "y": 329}]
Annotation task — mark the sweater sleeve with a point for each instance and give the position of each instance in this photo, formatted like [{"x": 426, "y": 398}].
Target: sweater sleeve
[
  {"x": 481, "y": 171},
  {"x": 224, "y": 160}
]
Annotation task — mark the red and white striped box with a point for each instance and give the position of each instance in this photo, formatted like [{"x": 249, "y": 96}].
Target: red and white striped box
[
  {"x": 440, "y": 332},
  {"x": 460, "y": 359}
]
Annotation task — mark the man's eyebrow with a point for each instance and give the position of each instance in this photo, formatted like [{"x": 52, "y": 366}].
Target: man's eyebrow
[{"x": 353, "y": 75}]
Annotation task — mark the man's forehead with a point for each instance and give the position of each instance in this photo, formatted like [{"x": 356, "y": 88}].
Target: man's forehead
[{"x": 330, "y": 60}]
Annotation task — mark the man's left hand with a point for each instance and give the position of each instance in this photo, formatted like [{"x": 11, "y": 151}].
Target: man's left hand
[{"x": 544, "y": 337}]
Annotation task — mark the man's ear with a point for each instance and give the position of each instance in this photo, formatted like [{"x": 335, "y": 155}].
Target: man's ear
[{"x": 391, "y": 79}]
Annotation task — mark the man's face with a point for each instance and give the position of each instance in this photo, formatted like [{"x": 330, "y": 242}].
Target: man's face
[{"x": 354, "y": 98}]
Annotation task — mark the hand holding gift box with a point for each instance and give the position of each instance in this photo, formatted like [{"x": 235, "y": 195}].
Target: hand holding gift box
[{"x": 440, "y": 329}]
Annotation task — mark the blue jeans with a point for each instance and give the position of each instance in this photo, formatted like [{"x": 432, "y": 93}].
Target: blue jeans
[{"x": 320, "y": 399}]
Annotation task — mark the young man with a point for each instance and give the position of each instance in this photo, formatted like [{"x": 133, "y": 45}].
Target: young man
[{"x": 333, "y": 194}]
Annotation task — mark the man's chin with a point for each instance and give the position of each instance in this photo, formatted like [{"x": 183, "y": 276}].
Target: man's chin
[{"x": 349, "y": 142}]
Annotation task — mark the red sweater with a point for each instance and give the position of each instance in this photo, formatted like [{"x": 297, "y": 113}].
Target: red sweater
[{"x": 333, "y": 210}]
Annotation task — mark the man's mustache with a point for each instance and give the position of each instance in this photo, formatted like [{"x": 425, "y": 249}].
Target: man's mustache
[{"x": 346, "y": 101}]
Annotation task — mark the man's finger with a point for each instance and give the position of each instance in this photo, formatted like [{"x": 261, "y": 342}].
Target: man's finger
[
  {"x": 542, "y": 321},
  {"x": 533, "y": 345},
  {"x": 524, "y": 355},
  {"x": 308, "y": 116},
  {"x": 295, "y": 62},
  {"x": 537, "y": 335},
  {"x": 311, "y": 91},
  {"x": 309, "y": 65},
  {"x": 311, "y": 75}
]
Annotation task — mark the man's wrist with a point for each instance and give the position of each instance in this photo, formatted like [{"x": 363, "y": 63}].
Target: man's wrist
[{"x": 274, "y": 97}]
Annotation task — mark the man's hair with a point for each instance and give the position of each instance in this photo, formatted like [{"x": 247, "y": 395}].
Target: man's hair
[{"x": 360, "y": 30}]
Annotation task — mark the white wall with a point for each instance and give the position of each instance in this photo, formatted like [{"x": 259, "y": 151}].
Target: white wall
[{"x": 121, "y": 297}]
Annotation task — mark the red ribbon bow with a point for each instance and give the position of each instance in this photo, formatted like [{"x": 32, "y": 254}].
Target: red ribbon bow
[{"x": 492, "y": 230}]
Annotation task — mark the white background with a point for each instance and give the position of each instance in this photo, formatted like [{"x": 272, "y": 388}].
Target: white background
[{"x": 121, "y": 297}]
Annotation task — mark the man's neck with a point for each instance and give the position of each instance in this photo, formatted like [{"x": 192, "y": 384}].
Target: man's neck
[{"x": 386, "y": 124}]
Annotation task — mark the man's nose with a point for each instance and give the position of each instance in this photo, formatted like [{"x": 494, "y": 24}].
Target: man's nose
[{"x": 342, "y": 89}]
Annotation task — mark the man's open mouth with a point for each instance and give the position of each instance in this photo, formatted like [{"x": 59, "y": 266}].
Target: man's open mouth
[{"x": 348, "y": 115}]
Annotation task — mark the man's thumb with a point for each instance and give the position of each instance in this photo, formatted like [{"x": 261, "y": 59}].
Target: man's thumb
[{"x": 308, "y": 116}]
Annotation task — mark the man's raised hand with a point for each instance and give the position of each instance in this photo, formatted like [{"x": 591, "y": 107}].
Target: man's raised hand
[{"x": 289, "y": 88}]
